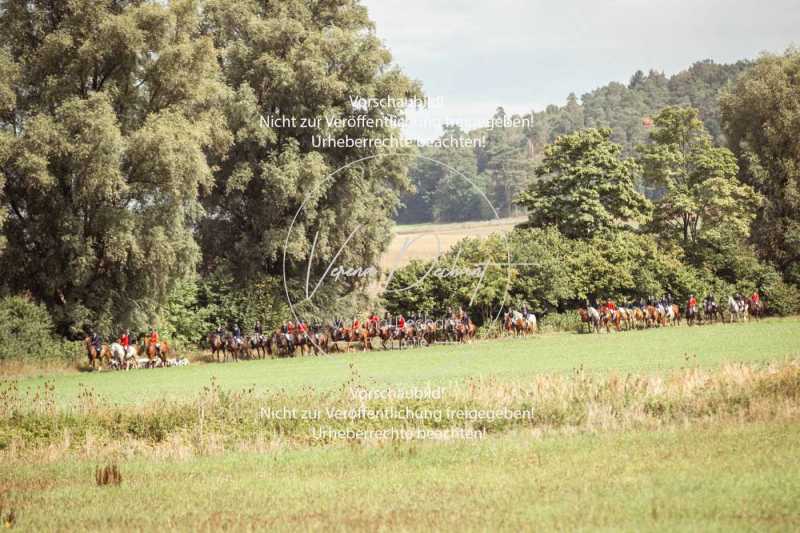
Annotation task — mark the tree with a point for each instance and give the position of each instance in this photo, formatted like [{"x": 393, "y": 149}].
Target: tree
[
  {"x": 301, "y": 60},
  {"x": 440, "y": 194},
  {"x": 585, "y": 186},
  {"x": 761, "y": 117},
  {"x": 702, "y": 197},
  {"x": 506, "y": 163},
  {"x": 105, "y": 125}
]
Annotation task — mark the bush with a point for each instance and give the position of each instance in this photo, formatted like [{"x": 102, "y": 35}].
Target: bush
[
  {"x": 27, "y": 332},
  {"x": 569, "y": 321},
  {"x": 782, "y": 298}
]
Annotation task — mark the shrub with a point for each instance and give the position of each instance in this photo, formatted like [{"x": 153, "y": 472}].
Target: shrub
[
  {"x": 26, "y": 332},
  {"x": 569, "y": 321}
]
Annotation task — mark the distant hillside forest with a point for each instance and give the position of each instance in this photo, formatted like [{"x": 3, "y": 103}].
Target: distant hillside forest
[{"x": 504, "y": 166}]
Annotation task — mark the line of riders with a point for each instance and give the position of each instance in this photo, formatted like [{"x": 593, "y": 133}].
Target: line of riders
[
  {"x": 652, "y": 312},
  {"x": 456, "y": 326},
  {"x": 125, "y": 351},
  {"x": 337, "y": 335}
]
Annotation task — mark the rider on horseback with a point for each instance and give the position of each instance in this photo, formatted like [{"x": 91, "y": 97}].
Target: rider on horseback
[
  {"x": 258, "y": 331},
  {"x": 692, "y": 305},
  {"x": 96, "y": 340},
  {"x": 237, "y": 334},
  {"x": 612, "y": 308},
  {"x": 155, "y": 342},
  {"x": 125, "y": 341}
]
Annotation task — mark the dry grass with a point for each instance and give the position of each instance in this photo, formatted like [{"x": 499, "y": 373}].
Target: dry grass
[
  {"x": 430, "y": 240},
  {"x": 36, "y": 428}
]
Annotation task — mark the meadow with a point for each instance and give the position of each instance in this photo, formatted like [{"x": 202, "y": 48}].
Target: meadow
[
  {"x": 664, "y": 429},
  {"x": 653, "y": 350},
  {"x": 430, "y": 240}
]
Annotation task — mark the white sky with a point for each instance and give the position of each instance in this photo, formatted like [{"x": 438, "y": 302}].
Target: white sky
[{"x": 479, "y": 54}]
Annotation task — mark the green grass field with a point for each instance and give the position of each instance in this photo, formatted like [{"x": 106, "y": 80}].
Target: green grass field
[
  {"x": 726, "y": 478},
  {"x": 636, "y": 351},
  {"x": 661, "y": 431}
]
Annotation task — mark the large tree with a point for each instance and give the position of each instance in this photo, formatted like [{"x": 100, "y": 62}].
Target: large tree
[
  {"x": 701, "y": 199},
  {"x": 761, "y": 117},
  {"x": 295, "y": 60},
  {"x": 585, "y": 186},
  {"x": 107, "y": 112}
]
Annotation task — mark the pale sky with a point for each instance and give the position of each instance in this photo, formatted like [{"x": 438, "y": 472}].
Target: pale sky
[{"x": 476, "y": 55}]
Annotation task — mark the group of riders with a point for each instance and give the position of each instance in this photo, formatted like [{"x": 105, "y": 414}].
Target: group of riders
[
  {"x": 646, "y": 312},
  {"x": 124, "y": 351},
  {"x": 455, "y": 325},
  {"x": 294, "y": 334}
]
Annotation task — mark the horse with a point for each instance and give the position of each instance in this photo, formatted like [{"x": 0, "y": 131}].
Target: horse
[
  {"x": 282, "y": 344},
  {"x": 152, "y": 352},
  {"x": 610, "y": 316},
  {"x": 465, "y": 332},
  {"x": 691, "y": 314},
  {"x": 386, "y": 334},
  {"x": 712, "y": 312},
  {"x": 405, "y": 334},
  {"x": 259, "y": 345},
  {"x": 756, "y": 308},
  {"x": 738, "y": 310},
  {"x": 625, "y": 316},
  {"x": 674, "y": 314},
  {"x": 217, "y": 345},
  {"x": 121, "y": 358},
  {"x": 429, "y": 332},
  {"x": 319, "y": 340},
  {"x": 233, "y": 347},
  {"x": 531, "y": 325},
  {"x": 590, "y": 317},
  {"x": 96, "y": 358},
  {"x": 639, "y": 319},
  {"x": 450, "y": 330}
]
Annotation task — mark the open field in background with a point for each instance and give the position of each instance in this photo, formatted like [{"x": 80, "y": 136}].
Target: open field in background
[
  {"x": 429, "y": 240},
  {"x": 705, "y": 478},
  {"x": 651, "y": 350}
]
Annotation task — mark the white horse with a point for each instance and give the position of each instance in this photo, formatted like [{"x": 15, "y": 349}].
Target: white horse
[
  {"x": 530, "y": 323},
  {"x": 738, "y": 309},
  {"x": 122, "y": 358}
]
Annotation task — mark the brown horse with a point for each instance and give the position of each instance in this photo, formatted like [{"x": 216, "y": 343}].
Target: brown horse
[
  {"x": 361, "y": 335},
  {"x": 676, "y": 315},
  {"x": 756, "y": 308},
  {"x": 96, "y": 358},
  {"x": 233, "y": 348},
  {"x": 429, "y": 332},
  {"x": 465, "y": 333},
  {"x": 653, "y": 317},
  {"x": 691, "y": 314},
  {"x": 591, "y": 318},
  {"x": 639, "y": 321},
  {"x": 154, "y": 355},
  {"x": 217, "y": 346},
  {"x": 610, "y": 317}
]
